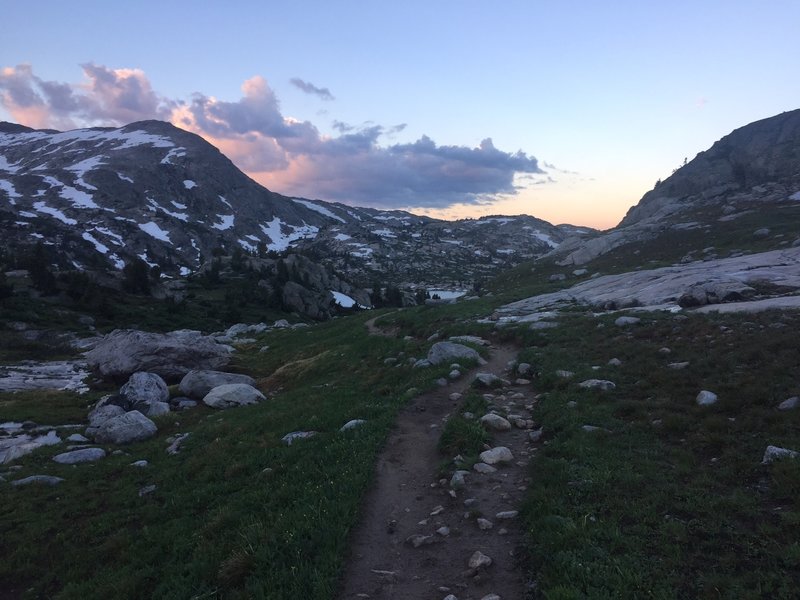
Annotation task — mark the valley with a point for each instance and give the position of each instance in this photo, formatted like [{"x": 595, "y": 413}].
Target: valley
[{"x": 643, "y": 380}]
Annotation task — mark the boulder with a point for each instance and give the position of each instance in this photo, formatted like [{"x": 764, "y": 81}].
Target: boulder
[
  {"x": 495, "y": 422},
  {"x": 171, "y": 355},
  {"x": 488, "y": 380},
  {"x": 625, "y": 321},
  {"x": 353, "y": 424},
  {"x": 773, "y": 453},
  {"x": 82, "y": 455},
  {"x": 447, "y": 352},
  {"x": 500, "y": 454},
  {"x": 131, "y": 427},
  {"x": 597, "y": 384},
  {"x": 197, "y": 383},
  {"x": 789, "y": 403},
  {"x": 232, "y": 394},
  {"x": 706, "y": 398},
  {"x": 103, "y": 413},
  {"x": 142, "y": 390},
  {"x": 40, "y": 479},
  {"x": 289, "y": 438},
  {"x": 314, "y": 304},
  {"x": 156, "y": 409}
]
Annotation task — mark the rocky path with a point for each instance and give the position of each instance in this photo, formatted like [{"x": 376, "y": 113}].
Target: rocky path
[{"x": 418, "y": 535}]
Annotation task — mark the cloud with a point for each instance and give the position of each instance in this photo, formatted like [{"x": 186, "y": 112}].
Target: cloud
[
  {"x": 105, "y": 97},
  {"x": 310, "y": 88},
  {"x": 360, "y": 165}
]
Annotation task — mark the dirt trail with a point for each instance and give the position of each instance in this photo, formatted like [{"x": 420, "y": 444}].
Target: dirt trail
[{"x": 407, "y": 490}]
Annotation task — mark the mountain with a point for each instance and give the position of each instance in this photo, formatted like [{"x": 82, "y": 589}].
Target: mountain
[
  {"x": 747, "y": 182},
  {"x": 103, "y": 196}
]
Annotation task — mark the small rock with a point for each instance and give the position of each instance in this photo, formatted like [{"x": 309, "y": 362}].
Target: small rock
[
  {"x": 521, "y": 381},
  {"x": 597, "y": 384},
  {"x": 507, "y": 514},
  {"x": 83, "y": 455},
  {"x": 495, "y": 422},
  {"x": 289, "y": 438},
  {"x": 443, "y": 531},
  {"x": 564, "y": 374},
  {"x": 418, "y": 540},
  {"x": 140, "y": 464},
  {"x": 450, "y": 597},
  {"x": 229, "y": 395},
  {"x": 455, "y": 396},
  {"x": 483, "y": 468},
  {"x": 615, "y": 362},
  {"x": 479, "y": 560},
  {"x": 536, "y": 435},
  {"x": 469, "y": 502},
  {"x": 706, "y": 398},
  {"x": 488, "y": 380},
  {"x": 491, "y": 597},
  {"x": 454, "y": 374},
  {"x": 441, "y": 382},
  {"x": 177, "y": 442},
  {"x": 524, "y": 369},
  {"x": 625, "y": 321},
  {"x": 593, "y": 428},
  {"x": 77, "y": 437},
  {"x": 678, "y": 365},
  {"x": 664, "y": 351},
  {"x": 788, "y": 404},
  {"x": 148, "y": 489},
  {"x": 352, "y": 424},
  {"x": 773, "y": 453},
  {"x": 484, "y": 524},
  {"x": 497, "y": 455},
  {"x": 437, "y": 510},
  {"x": 40, "y": 479},
  {"x": 457, "y": 481}
]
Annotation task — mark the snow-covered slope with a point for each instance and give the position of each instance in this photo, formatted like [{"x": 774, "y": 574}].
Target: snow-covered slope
[{"x": 102, "y": 196}]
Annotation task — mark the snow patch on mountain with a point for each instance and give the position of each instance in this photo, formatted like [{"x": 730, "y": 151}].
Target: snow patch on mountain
[
  {"x": 125, "y": 178},
  {"x": 341, "y": 237},
  {"x": 53, "y": 212},
  {"x": 155, "y": 231},
  {"x": 10, "y": 190},
  {"x": 321, "y": 210},
  {"x": 100, "y": 247},
  {"x": 81, "y": 168},
  {"x": 189, "y": 184},
  {"x": 225, "y": 222},
  {"x": 7, "y": 166},
  {"x": 174, "y": 153},
  {"x": 281, "y": 241},
  {"x": 225, "y": 202}
]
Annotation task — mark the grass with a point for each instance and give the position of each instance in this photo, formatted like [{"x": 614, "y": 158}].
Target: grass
[
  {"x": 237, "y": 514},
  {"x": 673, "y": 502}
]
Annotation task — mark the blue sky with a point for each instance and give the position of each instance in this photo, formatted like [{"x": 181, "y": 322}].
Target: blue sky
[{"x": 586, "y": 104}]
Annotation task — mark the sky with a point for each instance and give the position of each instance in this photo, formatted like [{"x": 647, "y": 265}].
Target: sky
[{"x": 568, "y": 111}]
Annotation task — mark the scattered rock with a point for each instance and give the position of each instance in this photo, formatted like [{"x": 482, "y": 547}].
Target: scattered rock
[
  {"x": 457, "y": 481},
  {"x": 598, "y": 384},
  {"x": 479, "y": 560},
  {"x": 78, "y": 438},
  {"x": 564, "y": 374},
  {"x": 454, "y": 374},
  {"x": 706, "y": 398},
  {"x": 176, "y": 443},
  {"x": 443, "y": 531},
  {"x": 678, "y": 365},
  {"x": 773, "y": 453},
  {"x": 232, "y": 394},
  {"x": 352, "y": 424},
  {"x": 156, "y": 409},
  {"x": 615, "y": 362},
  {"x": 761, "y": 233},
  {"x": 789, "y": 403},
  {"x": 130, "y": 427},
  {"x": 507, "y": 514},
  {"x": 39, "y": 479},
  {"x": 483, "y": 468},
  {"x": 455, "y": 396},
  {"x": 100, "y": 415},
  {"x": 290, "y": 438},
  {"x": 625, "y": 321},
  {"x": 142, "y": 390},
  {"x": 141, "y": 464},
  {"x": 556, "y": 277},
  {"x": 536, "y": 435},
  {"x": 196, "y": 384},
  {"x": 488, "y": 380},
  {"x": 524, "y": 369},
  {"x": 594, "y": 428},
  {"x": 469, "y": 339},
  {"x": 20, "y": 445},
  {"x": 495, "y": 422},
  {"x": 148, "y": 489},
  {"x": 445, "y": 352},
  {"x": 418, "y": 540},
  {"x": 491, "y": 597},
  {"x": 500, "y": 454},
  {"x": 484, "y": 524},
  {"x": 76, "y": 457}
]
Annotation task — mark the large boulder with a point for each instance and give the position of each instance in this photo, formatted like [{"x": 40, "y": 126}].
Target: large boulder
[
  {"x": 196, "y": 383},
  {"x": 131, "y": 427},
  {"x": 314, "y": 304},
  {"x": 142, "y": 390},
  {"x": 170, "y": 355},
  {"x": 448, "y": 352},
  {"x": 232, "y": 394}
]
